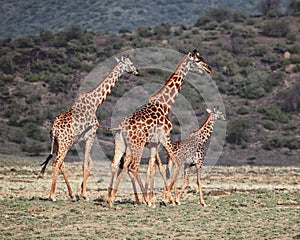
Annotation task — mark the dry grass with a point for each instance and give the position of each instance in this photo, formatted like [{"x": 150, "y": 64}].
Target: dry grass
[{"x": 243, "y": 203}]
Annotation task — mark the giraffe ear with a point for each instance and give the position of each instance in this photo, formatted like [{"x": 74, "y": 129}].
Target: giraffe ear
[
  {"x": 117, "y": 59},
  {"x": 208, "y": 110}
]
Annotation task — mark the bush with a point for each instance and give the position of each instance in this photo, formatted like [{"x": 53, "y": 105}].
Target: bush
[
  {"x": 219, "y": 14},
  {"x": 34, "y": 77},
  {"x": 274, "y": 113},
  {"x": 291, "y": 142},
  {"x": 34, "y": 148},
  {"x": 290, "y": 99},
  {"x": 59, "y": 83},
  {"x": 238, "y": 131},
  {"x": 242, "y": 110},
  {"x": 269, "y": 124},
  {"x": 144, "y": 31},
  {"x": 276, "y": 29}
]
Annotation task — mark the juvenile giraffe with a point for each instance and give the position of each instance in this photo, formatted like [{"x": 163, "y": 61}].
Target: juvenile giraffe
[
  {"x": 190, "y": 152},
  {"x": 151, "y": 125},
  {"x": 79, "y": 124}
]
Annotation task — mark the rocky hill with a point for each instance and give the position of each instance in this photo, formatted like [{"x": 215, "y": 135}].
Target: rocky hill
[{"x": 256, "y": 66}]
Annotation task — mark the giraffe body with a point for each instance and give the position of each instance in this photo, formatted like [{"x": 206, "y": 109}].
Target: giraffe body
[
  {"x": 151, "y": 125},
  {"x": 79, "y": 125},
  {"x": 190, "y": 152}
]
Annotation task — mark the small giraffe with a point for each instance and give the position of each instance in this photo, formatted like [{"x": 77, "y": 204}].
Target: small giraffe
[
  {"x": 190, "y": 152},
  {"x": 151, "y": 125},
  {"x": 79, "y": 124}
]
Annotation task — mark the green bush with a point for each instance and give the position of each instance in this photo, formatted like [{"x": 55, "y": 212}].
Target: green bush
[
  {"x": 34, "y": 77},
  {"x": 238, "y": 131},
  {"x": 33, "y": 147},
  {"x": 291, "y": 142},
  {"x": 276, "y": 29},
  {"x": 274, "y": 113},
  {"x": 219, "y": 14},
  {"x": 242, "y": 110},
  {"x": 269, "y": 124},
  {"x": 59, "y": 83}
]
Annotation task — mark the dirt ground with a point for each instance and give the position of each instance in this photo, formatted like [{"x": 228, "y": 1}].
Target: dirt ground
[{"x": 243, "y": 203}]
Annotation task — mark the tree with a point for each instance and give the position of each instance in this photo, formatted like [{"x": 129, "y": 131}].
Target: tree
[
  {"x": 294, "y": 7},
  {"x": 266, "y": 6}
]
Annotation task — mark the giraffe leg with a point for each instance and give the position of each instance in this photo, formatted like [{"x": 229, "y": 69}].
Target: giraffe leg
[
  {"x": 87, "y": 163},
  {"x": 119, "y": 151},
  {"x": 198, "y": 166},
  {"x": 56, "y": 165},
  {"x": 136, "y": 196},
  {"x": 150, "y": 175},
  {"x": 185, "y": 184},
  {"x": 172, "y": 182},
  {"x": 162, "y": 172},
  {"x": 112, "y": 192},
  {"x": 62, "y": 168},
  {"x": 134, "y": 169}
]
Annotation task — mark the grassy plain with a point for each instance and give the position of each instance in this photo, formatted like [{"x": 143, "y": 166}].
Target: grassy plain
[{"x": 243, "y": 203}]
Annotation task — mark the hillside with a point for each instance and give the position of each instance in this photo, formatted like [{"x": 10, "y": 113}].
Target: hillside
[
  {"x": 256, "y": 66},
  {"x": 29, "y": 17}
]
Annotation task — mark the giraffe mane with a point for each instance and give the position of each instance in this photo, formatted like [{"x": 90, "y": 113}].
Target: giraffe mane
[
  {"x": 169, "y": 79},
  {"x": 203, "y": 124}
]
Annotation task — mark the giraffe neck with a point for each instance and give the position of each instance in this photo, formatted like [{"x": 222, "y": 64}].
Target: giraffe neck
[
  {"x": 103, "y": 89},
  {"x": 168, "y": 93},
  {"x": 205, "y": 130}
]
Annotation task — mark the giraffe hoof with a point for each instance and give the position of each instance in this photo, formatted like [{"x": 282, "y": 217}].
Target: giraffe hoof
[
  {"x": 53, "y": 199},
  {"x": 86, "y": 198}
]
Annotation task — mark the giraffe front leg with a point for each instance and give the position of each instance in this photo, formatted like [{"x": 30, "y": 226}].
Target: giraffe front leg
[
  {"x": 198, "y": 166},
  {"x": 150, "y": 176},
  {"x": 185, "y": 184},
  {"x": 163, "y": 173}
]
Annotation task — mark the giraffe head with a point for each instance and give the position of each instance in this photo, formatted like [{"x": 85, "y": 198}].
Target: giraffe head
[
  {"x": 127, "y": 66},
  {"x": 197, "y": 64},
  {"x": 216, "y": 114}
]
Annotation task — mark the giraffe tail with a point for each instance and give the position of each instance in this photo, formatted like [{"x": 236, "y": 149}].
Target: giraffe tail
[{"x": 44, "y": 164}]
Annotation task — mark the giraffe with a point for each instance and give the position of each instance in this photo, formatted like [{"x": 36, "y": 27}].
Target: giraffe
[
  {"x": 79, "y": 124},
  {"x": 150, "y": 124},
  {"x": 190, "y": 152}
]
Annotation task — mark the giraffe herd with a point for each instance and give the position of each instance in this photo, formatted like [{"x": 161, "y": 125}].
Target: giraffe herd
[{"x": 148, "y": 125}]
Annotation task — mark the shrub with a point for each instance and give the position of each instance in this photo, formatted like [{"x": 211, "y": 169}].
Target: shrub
[
  {"x": 274, "y": 113},
  {"x": 34, "y": 77},
  {"x": 290, "y": 99},
  {"x": 294, "y": 7},
  {"x": 276, "y": 29},
  {"x": 219, "y": 14},
  {"x": 242, "y": 110},
  {"x": 59, "y": 83},
  {"x": 238, "y": 131},
  {"x": 144, "y": 31},
  {"x": 269, "y": 124},
  {"x": 33, "y": 147},
  {"x": 265, "y": 6},
  {"x": 291, "y": 142}
]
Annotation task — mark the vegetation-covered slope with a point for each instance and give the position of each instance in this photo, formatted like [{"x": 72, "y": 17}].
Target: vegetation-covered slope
[
  {"x": 28, "y": 17},
  {"x": 256, "y": 68}
]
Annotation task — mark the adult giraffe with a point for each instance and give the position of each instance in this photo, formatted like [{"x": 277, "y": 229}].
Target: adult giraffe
[
  {"x": 151, "y": 125},
  {"x": 79, "y": 124}
]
